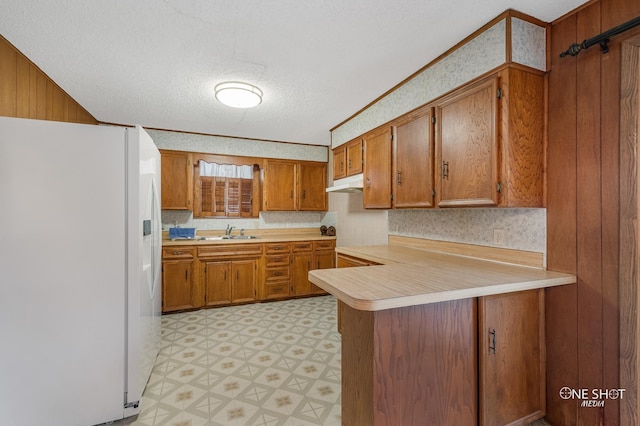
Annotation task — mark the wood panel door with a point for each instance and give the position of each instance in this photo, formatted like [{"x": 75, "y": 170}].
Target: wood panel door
[
  {"x": 511, "y": 358},
  {"x": 301, "y": 265},
  {"x": 243, "y": 288},
  {"x": 413, "y": 161},
  {"x": 323, "y": 260},
  {"x": 177, "y": 180},
  {"x": 178, "y": 286},
  {"x": 217, "y": 283},
  {"x": 340, "y": 162},
  {"x": 312, "y": 181},
  {"x": 377, "y": 169},
  {"x": 279, "y": 185},
  {"x": 354, "y": 157},
  {"x": 467, "y": 146}
]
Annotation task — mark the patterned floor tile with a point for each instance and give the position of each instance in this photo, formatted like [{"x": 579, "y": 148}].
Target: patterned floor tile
[{"x": 270, "y": 364}]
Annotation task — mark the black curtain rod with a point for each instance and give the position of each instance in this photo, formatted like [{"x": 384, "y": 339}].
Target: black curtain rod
[{"x": 601, "y": 39}]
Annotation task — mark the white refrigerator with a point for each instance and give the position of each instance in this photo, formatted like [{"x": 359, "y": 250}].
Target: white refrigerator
[{"x": 80, "y": 280}]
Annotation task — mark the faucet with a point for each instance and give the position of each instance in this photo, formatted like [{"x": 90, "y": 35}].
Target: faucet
[{"x": 229, "y": 229}]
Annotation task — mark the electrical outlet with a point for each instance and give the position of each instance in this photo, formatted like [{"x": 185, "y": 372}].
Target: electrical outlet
[{"x": 498, "y": 236}]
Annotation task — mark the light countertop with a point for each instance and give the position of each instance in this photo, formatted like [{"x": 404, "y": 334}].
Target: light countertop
[
  {"x": 263, "y": 236},
  {"x": 409, "y": 276}
]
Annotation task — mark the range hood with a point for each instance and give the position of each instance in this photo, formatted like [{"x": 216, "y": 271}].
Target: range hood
[{"x": 348, "y": 184}]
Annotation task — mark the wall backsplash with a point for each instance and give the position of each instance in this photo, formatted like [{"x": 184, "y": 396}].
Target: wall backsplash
[
  {"x": 525, "y": 229},
  {"x": 267, "y": 220}
]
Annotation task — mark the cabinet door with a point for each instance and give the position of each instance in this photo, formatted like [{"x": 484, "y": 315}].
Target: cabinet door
[
  {"x": 177, "y": 180},
  {"x": 178, "y": 286},
  {"x": 323, "y": 260},
  {"x": 511, "y": 356},
  {"x": 312, "y": 179},
  {"x": 466, "y": 147},
  {"x": 243, "y": 287},
  {"x": 339, "y": 162},
  {"x": 354, "y": 157},
  {"x": 413, "y": 161},
  {"x": 279, "y": 185},
  {"x": 217, "y": 283},
  {"x": 301, "y": 265},
  {"x": 377, "y": 170}
]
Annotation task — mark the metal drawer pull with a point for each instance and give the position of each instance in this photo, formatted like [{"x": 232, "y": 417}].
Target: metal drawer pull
[{"x": 492, "y": 341}]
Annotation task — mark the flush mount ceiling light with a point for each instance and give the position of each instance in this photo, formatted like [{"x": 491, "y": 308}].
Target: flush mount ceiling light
[{"x": 238, "y": 95}]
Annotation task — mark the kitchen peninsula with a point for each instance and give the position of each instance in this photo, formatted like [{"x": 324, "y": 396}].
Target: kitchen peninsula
[{"x": 434, "y": 338}]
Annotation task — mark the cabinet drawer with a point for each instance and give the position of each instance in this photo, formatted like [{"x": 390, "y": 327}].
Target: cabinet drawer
[
  {"x": 302, "y": 246},
  {"x": 277, "y": 248},
  {"x": 276, "y": 289},
  {"x": 273, "y": 274},
  {"x": 230, "y": 250},
  {"x": 273, "y": 261},
  {"x": 324, "y": 245},
  {"x": 178, "y": 252}
]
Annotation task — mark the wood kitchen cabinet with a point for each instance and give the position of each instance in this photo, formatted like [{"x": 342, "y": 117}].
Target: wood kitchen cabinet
[
  {"x": 489, "y": 142},
  {"x": 484, "y": 365},
  {"x": 294, "y": 185},
  {"x": 339, "y": 162},
  {"x": 177, "y": 180},
  {"x": 312, "y": 182},
  {"x": 412, "y": 155},
  {"x": 179, "y": 282},
  {"x": 306, "y": 256},
  {"x": 280, "y": 185},
  {"x": 277, "y": 271},
  {"x": 347, "y": 159},
  {"x": 229, "y": 281},
  {"x": 229, "y": 273},
  {"x": 511, "y": 358},
  {"x": 377, "y": 169}
]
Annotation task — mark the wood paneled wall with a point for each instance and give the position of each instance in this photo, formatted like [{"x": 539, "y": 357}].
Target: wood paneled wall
[
  {"x": 583, "y": 206},
  {"x": 27, "y": 92}
]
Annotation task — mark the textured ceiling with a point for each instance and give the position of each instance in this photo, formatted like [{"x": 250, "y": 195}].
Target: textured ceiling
[{"x": 155, "y": 63}]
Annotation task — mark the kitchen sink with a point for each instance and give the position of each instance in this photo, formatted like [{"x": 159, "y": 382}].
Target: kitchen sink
[{"x": 229, "y": 237}]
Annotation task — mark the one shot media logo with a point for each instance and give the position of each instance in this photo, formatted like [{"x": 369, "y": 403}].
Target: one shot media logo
[{"x": 591, "y": 397}]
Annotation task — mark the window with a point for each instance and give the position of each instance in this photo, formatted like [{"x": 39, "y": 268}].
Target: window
[{"x": 225, "y": 190}]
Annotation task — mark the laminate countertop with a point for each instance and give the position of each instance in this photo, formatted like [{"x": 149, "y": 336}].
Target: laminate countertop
[
  {"x": 261, "y": 238},
  {"x": 408, "y": 276}
]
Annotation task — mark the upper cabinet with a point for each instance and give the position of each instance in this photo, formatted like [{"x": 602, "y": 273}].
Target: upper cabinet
[
  {"x": 413, "y": 160},
  {"x": 294, "y": 185},
  {"x": 479, "y": 146},
  {"x": 489, "y": 142},
  {"x": 377, "y": 168},
  {"x": 312, "y": 181},
  {"x": 347, "y": 159},
  {"x": 177, "y": 180}
]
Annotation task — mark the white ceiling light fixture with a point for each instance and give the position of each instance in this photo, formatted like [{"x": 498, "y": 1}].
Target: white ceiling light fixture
[{"x": 238, "y": 95}]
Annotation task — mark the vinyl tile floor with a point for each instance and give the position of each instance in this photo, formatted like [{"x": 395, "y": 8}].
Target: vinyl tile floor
[
  {"x": 274, "y": 363},
  {"x": 266, "y": 364}
]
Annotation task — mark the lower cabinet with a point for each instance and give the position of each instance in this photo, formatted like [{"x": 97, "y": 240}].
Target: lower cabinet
[
  {"x": 228, "y": 273},
  {"x": 306, "y": 256},
  {"x": 277, "y": 271},
  {"x": 511, "y": 358},
  {"x": 484, "y": 363},
  {"x": 179, "y": 284},
  {"x": 229, "y": 281},
  {"x": 212, "y": 275}
]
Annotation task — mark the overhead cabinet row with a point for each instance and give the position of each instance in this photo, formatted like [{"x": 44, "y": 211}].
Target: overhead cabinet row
[
  {"x": 275, "y": 185},
  {"x": 481, "y": 145}
]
